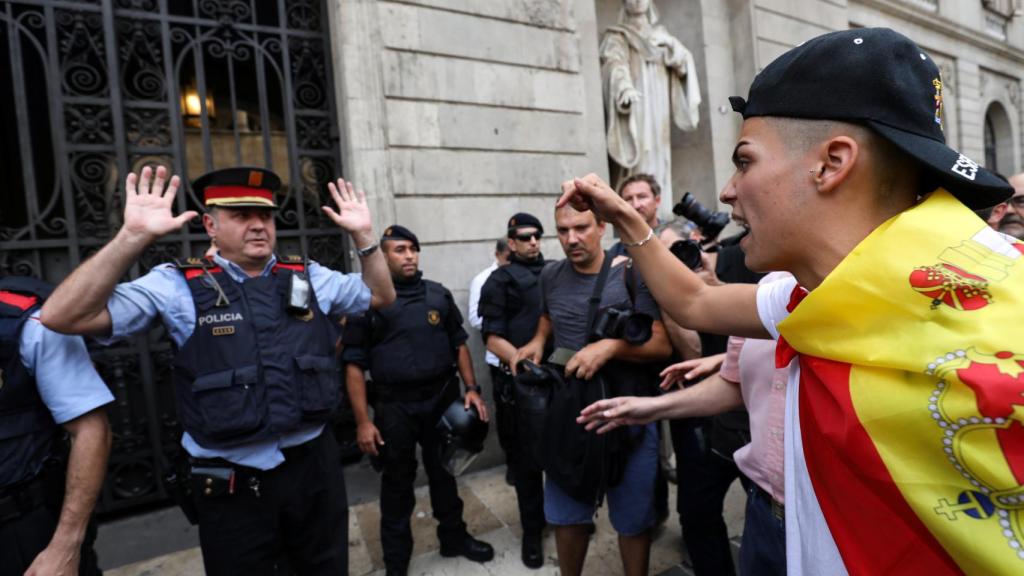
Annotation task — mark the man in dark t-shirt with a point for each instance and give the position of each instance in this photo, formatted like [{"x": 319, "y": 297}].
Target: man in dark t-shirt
[{"x": 566, "y": 288}]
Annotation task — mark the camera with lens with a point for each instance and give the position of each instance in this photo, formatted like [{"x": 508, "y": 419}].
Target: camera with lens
[
  {"x": 710, "y": 223},
  {"x": 688, "y": 252},
  {"x": 624, "y": 324}
]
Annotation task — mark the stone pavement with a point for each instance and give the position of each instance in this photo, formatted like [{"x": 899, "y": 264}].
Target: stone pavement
[{"x": 492, "y": 515}]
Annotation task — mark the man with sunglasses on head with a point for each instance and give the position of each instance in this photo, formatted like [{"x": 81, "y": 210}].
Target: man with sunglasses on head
[{"x": 510, "y": 308}]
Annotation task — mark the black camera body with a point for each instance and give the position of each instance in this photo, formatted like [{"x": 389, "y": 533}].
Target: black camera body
[
  {"x": 624, "y": 324},
  {"x": 710, "y": 223},
  {"x": 688, "y": 252}
]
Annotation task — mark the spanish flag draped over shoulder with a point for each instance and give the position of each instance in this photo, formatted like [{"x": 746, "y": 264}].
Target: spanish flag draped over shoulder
[{"x": 911, "y": 396}]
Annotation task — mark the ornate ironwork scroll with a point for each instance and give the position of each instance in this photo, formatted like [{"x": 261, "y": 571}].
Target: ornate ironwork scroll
[{"x": 90, "y": 90}]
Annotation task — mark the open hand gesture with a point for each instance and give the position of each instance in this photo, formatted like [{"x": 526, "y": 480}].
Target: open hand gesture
[
  {"x": 352, "y": 215},
  {"x": 147, "y": 205}
]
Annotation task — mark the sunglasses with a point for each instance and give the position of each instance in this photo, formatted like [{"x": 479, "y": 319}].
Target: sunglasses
[{"x": 527, "y": 236}]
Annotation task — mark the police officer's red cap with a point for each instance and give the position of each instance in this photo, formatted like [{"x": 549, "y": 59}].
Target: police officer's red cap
[
  {"x": 881, "y": 79},
  {"x": 396, "y": 232},
  {"x": 241, "y": 187}
]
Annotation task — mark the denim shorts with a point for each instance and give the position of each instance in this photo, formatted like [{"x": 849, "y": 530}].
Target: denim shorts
[{"x": 630, "y": 503}]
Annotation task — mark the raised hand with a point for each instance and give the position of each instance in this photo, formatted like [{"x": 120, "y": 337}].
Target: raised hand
[
  {"x": 352, "y": 215},
  {"x": 592, "y": 193},
  {"x": 147, "y": 205}
]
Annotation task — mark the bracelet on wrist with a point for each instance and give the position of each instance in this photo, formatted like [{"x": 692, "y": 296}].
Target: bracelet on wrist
[
  {"x": 648, "y": 238},
  {"x": 364, "y": 252},
  {"x": 472, "y": 388}
]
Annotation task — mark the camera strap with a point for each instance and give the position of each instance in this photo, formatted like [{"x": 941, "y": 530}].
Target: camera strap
[{"x": 595, "y": 298}]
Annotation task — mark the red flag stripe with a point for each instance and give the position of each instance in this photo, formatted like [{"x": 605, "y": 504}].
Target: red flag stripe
[{"x": 874, "y": 528}]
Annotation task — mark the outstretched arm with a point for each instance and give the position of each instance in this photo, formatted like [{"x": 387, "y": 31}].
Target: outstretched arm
[
  {"x": 79, "y": 303},
  {"x": 353, "y": 216},
  {"x": 87, "y": 464},
  {"x": 729, "y": 309},
  {"x": 712, "y": 396}
]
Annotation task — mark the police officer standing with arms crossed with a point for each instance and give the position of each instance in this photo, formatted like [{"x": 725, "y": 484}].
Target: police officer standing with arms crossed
[
  {"x": 411, "y": 349},
  {"x": 48, "y": 386},
  {"x": 255, "y": 375},
  {"x": 510, "y": 308}
]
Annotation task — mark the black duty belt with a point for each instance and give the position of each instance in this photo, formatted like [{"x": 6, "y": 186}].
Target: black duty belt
[
  {"x": 17, "y": 501},
  {"x": 778, "y": 508},
  {"x": 412, "y": 391}
]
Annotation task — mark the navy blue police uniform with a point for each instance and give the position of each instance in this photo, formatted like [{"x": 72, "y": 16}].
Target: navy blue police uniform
[
  {"x": 410, "y": 349},
  {"x": 256, "y": 379},
  {"x": 510, "y": 305},
  {"x": 36, "y": 397}
]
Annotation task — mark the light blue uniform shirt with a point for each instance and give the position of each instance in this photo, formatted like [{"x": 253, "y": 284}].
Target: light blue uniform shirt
[
  {"x": 65, "y": 376},
  {"x": 164, "y": 292}
]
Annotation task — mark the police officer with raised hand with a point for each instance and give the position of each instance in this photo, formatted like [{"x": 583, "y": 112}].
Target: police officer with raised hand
[
  {"x": 411, "y": 349},
  {"x": 47, "y": 492},
  {"x": 510, "y": 307},
  {"x": 255, "y": 375}
]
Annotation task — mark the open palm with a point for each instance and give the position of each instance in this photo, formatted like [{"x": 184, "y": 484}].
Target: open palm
[
  {"x": 147, "y": 204},
  {"x": 352, "y": 215}
]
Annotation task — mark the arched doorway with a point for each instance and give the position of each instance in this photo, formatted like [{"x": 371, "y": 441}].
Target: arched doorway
[{"x": 998, "y": 139}]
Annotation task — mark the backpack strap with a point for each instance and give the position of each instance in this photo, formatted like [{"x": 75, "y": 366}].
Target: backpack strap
[{"x": 595, "y": 297}]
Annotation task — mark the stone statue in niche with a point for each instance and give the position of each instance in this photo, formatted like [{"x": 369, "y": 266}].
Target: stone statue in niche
[{"x": 650, "y": 82}]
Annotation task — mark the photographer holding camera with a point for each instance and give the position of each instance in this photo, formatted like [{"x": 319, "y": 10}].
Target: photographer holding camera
[{"x": 598, "y": 319}]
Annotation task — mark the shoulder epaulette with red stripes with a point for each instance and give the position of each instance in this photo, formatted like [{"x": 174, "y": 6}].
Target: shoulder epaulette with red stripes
[
  {"x": 291, "y": 262},
  {"x": 193, "y": 267},
  {"x": 21, "y": 301}
]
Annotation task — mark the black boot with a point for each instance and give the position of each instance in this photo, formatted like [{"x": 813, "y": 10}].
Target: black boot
[
  {"x": 533, "y": 551},
  {"x": 471, "y": 548}
]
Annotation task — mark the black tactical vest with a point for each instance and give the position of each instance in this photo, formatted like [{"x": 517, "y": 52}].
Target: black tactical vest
[
  {"x": 524, "y": 307},
  {"x": 25, "y": 421},
  {"x": 409, "y": 343},
  {"x": 252, "y": 369}
]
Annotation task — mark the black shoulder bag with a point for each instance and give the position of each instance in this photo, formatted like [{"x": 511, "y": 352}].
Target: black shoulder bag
[{"x": 575, "y": 459}]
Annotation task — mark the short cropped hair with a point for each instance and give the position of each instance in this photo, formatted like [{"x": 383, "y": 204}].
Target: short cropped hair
[{"x": 648, "y": 178}]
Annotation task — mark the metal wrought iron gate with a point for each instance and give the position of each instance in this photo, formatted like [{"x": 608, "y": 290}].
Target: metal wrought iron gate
[{"x": 93, "y": 89}]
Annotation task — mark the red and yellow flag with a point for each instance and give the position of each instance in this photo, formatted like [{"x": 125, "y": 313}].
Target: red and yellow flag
[{"x": 912, "y": 396}]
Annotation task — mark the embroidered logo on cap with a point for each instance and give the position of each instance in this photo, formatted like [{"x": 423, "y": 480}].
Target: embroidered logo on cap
[
  {"x": 965, "y": 167},
  {"x": 255, "y": 179},
  {"x": 937, "y": 83}
]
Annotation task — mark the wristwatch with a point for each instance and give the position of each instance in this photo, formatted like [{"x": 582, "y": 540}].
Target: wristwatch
[
  {"x": 364, "y": 252},
  {"x": 472, "y": 388}
]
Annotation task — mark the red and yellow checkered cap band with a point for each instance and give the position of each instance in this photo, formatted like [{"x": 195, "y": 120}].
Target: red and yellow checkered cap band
[{"x": 238, "y": 196}]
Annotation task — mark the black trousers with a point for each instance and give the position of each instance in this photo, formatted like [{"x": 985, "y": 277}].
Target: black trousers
[
  {"x": 22, "y": 539},
  {"x": 403, "y": 425},
  {"x": 527, "y": 473},
  {"x": 704, "y": 479},
  {"x": 292, "y": 519}
]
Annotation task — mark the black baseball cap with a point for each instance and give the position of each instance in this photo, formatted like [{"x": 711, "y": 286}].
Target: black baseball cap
[
  {"x": 523, "y": 220},
  {"x": 396, "y": 232},
  {"x": 881, "y": 79}
]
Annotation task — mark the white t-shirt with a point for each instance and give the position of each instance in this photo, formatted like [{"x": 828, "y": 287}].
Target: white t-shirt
[
  {"x": 810, "y": 548},
  {"x": 475, "y": 320}
]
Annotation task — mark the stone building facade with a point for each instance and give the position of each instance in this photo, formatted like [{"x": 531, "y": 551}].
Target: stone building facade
[{"x": 457, "y": 113}]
